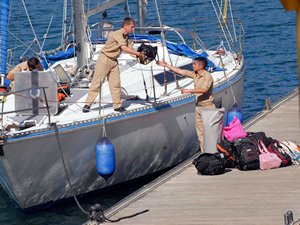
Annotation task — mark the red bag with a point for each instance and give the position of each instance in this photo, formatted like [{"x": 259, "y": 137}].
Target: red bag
[{"x": 274, "y": 148}]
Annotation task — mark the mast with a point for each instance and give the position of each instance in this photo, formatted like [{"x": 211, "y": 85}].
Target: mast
[
  {"x": 3, "y": 39},
  {"x": 141, "y": 13},
  {"x": 64, "y": 27},
  {"x": 80, "y": 28}
]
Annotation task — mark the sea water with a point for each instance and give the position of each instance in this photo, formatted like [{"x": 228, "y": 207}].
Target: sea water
[{"x": 269, "y": 50}]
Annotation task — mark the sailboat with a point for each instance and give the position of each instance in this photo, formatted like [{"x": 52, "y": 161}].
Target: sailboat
[{"x": 47, "y": 149}]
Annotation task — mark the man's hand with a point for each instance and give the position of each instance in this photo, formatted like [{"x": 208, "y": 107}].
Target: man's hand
[
  {"x": 185, "y": 91},
  {"x": 162, "y": 63},
  {"x": 141, "y": 56}
]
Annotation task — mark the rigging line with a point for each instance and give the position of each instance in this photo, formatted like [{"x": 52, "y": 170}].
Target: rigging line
[
  {"x": 23, "y": 44},
  {"x": 37, "y": 40},
  {"x": 27, "y": 49},
  {"x": 128, "y": 8},
  {"x": 145, "y": 85},
  {"x": 227, "y": 28},
  {"x": 230, "y": 85},
  {"x": 161, "y": 27},
  {"x": 104, "y": 126},
  {"x": 71, "y": 22},
  {"x": 66, "y": 171},
  {"x": 224, "y": 23},
  {"x": 73, "y": 32},
  {"x": 64, "y": 23},
  {"x": 9, "y": 14},
  {"x": 46, "y": 34},
  {"x": 164, "y": 44},
  {"x": 16, "y": 38},
  {"x": 220, "y": 24},
  {"x": 233, "y": 25},
  {"x": 88, "y": 6},
  {"x": 162, "y": 34}
]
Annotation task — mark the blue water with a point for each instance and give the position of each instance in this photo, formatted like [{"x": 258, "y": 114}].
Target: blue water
[{"x": 270, "y": 54}]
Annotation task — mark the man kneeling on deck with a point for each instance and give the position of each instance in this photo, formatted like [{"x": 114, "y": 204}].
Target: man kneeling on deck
[
  {"x": 203, "y": 83},
  {"x": 32, "y": 64},
  {"x": 107, "y": 65}
]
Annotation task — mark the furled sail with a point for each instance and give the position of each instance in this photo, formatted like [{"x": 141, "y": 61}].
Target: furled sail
[{"x": 3, "y": 37}]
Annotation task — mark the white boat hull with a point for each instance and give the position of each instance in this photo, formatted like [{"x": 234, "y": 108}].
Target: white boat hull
[{"x": 146, "y": 140}]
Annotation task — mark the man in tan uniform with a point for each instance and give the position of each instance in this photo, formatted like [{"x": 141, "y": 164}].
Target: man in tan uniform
[
  {"x": 203, "y": 83},
  {"x": 30, "y": 65},
  {"x": 107, "y": 65}
]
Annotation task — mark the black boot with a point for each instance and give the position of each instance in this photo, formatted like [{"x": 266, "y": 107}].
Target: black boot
[
  {"x": 121, "y": 109},
  {"x": 86, "y": 109}
]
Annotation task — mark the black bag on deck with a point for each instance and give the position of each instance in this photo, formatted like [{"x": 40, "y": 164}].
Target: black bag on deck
[
  {"x": 210, "y": 164},
  {"x": 228, "y": 149},
  {"x": 149, "y": 52},
  {"x": 259, "y": 136},
  {"x": 247, "y": 154}
]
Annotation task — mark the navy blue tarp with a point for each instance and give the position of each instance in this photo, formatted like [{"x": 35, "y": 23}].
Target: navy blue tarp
[
  {"x": 179, "y": 49},
  {"x": 60, "y": 55}
]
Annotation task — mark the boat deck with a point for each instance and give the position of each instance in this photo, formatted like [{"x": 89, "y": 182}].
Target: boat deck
[
  {"x": 236, "y": 197},
  {"x": 133, "y": 84}
]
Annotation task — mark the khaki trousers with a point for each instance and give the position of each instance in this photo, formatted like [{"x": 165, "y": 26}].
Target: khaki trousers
[
  {"x": 106, "y": 67},
  {"x": 199, "y": 122}
]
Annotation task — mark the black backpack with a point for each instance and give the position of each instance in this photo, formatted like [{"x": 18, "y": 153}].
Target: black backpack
[
  {"x": 247, "y": 154},
  {"x": 149, "y": 52},
  {"x": 210, "y": 164}
]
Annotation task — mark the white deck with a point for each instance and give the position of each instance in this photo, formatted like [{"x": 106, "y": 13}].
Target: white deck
[{"x": 132, "y": 81}]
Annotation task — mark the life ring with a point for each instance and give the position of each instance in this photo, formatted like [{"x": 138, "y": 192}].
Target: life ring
[{"x": 219, "y": 52}]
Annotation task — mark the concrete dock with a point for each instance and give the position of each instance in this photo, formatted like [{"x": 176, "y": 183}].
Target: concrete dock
[{"x": 181, "y": 196}]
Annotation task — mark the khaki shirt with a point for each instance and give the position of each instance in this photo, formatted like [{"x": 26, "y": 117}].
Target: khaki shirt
[
  {"x": 115, "y": 40},
  {"x": 204, "y": 81},
  {"x": 18, "y": 68}
]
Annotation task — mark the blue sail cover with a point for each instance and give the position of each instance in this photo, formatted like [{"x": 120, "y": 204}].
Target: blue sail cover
[
  {"x": 3, "y": 41},
  {"x": 59, "y": 55}
]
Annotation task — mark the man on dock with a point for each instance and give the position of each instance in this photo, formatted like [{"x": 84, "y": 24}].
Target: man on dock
[
  {"x": 203, "y": 83},
  {"x": 107, "y": 65}
]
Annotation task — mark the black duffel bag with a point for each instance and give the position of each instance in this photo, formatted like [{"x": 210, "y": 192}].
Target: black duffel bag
[
  {"x": 210, "y": 164},
  {"x": 259, "y": 136},
  {"x": 149, "y": 52}
]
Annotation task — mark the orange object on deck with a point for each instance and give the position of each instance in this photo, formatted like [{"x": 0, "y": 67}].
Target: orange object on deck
[{"x": 60, "y": 96}]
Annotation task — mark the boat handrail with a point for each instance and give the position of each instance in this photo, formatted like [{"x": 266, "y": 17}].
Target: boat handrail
[
  {"x": 15, "y": 92},
  {"x": 177, "y": 31}
]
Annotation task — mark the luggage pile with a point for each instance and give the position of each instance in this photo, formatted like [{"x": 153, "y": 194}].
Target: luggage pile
[{"x": 247, "y": 151}]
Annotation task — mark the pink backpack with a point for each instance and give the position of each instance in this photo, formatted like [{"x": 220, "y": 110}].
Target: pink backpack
[
  {"x": 267, "y": 160},
  {"x": 234, "y": 130}
]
